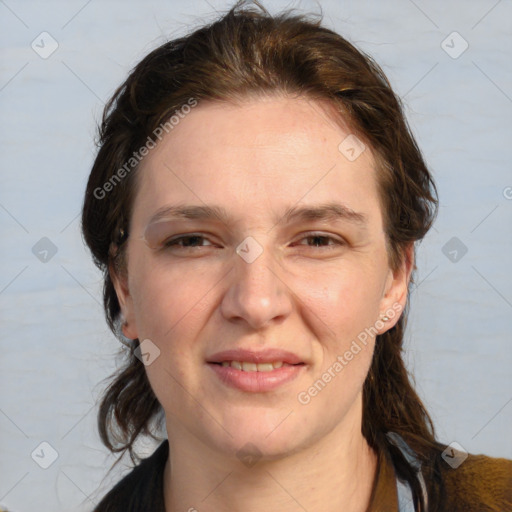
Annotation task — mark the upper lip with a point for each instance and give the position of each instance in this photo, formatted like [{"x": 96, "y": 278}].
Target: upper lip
[{"x": 267, "y": 355}]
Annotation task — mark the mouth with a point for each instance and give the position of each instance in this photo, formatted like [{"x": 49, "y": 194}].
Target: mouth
[
  {"x": 256, "y": 372},
  {"x": 247, "y": 366}
]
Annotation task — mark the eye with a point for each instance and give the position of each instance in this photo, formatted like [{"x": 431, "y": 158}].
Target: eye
[
  {"x": 186, "y": 241},
  {"x": 320, "y": 239}
]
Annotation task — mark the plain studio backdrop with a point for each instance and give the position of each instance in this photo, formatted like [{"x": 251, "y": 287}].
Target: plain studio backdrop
[{"x": 449, "y": 62}]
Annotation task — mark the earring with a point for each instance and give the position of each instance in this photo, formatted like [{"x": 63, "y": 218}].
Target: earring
[{"x": 384, "y": 318}]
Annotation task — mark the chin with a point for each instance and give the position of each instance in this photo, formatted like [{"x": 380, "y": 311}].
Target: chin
[{"x": 269, "y": 436}]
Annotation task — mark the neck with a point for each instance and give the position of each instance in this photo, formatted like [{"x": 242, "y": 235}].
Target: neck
[{"x": 336, "y": 473}]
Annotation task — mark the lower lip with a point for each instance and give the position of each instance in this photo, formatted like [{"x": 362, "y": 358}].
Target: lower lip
[{"x": 256, "y": 382}]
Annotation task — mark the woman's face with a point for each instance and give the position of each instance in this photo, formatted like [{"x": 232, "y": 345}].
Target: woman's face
[{"x": 261, "y": 324}]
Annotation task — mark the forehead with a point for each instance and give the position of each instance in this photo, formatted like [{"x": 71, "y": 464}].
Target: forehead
[{"x": 256, "y": 155}]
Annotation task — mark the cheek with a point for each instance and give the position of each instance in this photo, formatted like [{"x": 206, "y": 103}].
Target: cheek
[
  {"x": 170, "y": 309},
  {"x": 172, "y": 301},
  {"x": 346, "y": 300}
]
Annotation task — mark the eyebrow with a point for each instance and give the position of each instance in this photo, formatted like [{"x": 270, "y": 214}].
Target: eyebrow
[{"x": 322, "y": 212}]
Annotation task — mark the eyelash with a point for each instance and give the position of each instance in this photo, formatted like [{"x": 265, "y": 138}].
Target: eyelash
[{"x": 175, "y": 241}]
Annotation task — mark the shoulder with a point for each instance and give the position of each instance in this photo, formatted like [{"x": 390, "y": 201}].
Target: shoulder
[
  {"x": 480, "y": 484},
  {"x": 142, "y": 488}
]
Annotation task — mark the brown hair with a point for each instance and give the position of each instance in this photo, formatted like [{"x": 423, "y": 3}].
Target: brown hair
[{"x": 248, "y": 51}]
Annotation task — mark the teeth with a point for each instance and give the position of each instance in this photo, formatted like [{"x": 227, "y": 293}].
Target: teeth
[
  {"x": 263, "y": 367},
  {"x": 254, "y": 367}
]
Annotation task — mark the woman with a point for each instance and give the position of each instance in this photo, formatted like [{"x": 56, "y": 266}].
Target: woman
[{"x": 254, "y": 205}]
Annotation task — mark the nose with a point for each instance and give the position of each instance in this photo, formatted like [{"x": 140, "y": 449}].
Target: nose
[{"x": 257, "y": 293}]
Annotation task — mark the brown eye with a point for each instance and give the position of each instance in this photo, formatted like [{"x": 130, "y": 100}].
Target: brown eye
[
  {"x": 322, "y": 240},
  {"x": 186, "y": 241}
]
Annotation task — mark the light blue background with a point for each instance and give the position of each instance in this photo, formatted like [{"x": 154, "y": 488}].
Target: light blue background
[{"x": 55, "y": 345}]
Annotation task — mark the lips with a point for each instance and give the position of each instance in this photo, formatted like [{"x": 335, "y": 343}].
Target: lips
[{"x": 256, "y": 371}]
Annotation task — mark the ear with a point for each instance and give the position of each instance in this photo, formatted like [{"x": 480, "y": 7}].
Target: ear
[
  {"x": 396, "y": 290},
  {"x": 120, "y": 282}
]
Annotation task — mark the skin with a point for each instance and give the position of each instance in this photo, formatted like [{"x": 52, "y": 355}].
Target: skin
[{"x": 256, "y": 159}]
